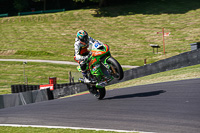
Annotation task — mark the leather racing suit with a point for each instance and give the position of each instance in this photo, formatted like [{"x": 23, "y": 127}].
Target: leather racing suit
[
  {"x": 81, "y": 49},
  {"x": 81, "y": 52}
]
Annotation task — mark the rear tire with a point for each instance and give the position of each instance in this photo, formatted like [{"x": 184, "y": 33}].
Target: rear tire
[
  {"x": 99, "y": 93},
  {"x": 117, "y": 71},
  {"x": 102, "y": 93}
]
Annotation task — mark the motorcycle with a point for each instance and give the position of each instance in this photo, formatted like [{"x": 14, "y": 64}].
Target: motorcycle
[{"x": 101, "y": 69}]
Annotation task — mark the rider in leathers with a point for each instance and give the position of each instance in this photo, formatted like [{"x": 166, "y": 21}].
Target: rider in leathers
[{"x": 81, "y": 46}]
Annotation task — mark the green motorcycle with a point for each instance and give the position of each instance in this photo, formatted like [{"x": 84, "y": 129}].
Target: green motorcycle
[{"x": 101, "y": 69}]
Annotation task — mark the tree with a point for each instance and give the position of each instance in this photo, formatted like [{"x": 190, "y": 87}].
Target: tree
[
  {"x": 101, "y": 2},
  {"x": 44, "y": 5},
  {"x": 20, "y": 5}
]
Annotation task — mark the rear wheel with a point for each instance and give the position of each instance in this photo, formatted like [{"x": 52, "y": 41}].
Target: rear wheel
[
  {"x": 99, "y": 93},
  {"x": 117, "y": 71}
]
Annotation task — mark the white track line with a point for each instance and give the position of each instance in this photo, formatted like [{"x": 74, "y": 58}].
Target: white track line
[{"x": 76, "y": 128}]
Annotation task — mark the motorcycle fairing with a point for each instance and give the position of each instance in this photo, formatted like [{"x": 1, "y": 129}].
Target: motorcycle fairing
[{"x": 98, "y": 65}]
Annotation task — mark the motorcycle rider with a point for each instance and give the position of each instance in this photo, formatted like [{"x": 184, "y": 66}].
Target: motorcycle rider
[{"x": 81, "y": 46}]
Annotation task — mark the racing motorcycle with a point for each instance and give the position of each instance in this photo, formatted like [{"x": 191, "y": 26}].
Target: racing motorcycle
[{"x": 101, "y": 69}]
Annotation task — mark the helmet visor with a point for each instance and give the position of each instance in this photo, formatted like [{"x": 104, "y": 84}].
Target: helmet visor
[{"x": 85, "y": 39}]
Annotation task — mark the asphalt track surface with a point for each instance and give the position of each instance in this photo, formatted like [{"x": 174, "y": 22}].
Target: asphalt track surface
[{"x": 170, "y": 107}]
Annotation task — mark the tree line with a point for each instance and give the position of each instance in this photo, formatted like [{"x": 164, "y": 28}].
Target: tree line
[{"x": 14, "y": 6}]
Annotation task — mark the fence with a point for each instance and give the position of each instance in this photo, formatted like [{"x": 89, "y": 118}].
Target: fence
[
  {"x": 4, "y": 15},
  {"x": 34, "y": 12},
  {"x": 40, "y": 12},
  {"x": 23, "y": 98}
]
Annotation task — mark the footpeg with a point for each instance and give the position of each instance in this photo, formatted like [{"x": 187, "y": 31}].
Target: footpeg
[{"x": 81, "y": 80}]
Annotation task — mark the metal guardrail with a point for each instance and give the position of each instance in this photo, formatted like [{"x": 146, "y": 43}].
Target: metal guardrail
[
  {"x": 33, "y": 95},
  {"x": 4, "y": 15},
  {"x": 52, "y": 11},
  {"x": 29, "y": 13},
  {"x": 40, "y": 12},
  {"x": 34, "y": 12}
]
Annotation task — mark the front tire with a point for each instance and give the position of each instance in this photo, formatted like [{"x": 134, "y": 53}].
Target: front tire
[{"x": 117, "y": 71}]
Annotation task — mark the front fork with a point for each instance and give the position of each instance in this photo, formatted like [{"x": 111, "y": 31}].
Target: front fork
[
  {"x": 105, "y": 62},
  {"x": 107, "y": 79}
]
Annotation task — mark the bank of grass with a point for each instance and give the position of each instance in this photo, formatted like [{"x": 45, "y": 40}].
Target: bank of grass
[
  {"x": 38, "y": 73},
  {"x": 190, "y": 72},
  {"x": 46, "y": 130},
  {"x": 12, "y": 73},
  {"x": 35, "y": 73},
  {"x": 127, "y": 29}
]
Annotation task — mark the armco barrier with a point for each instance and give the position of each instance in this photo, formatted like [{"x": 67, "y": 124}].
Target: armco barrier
[
  {"x": 52, "y": 11},
  {"x": 4, "y": 15},
  {"x": 23, "y": 98},
  {"x": 39, "y": 95},
  {"x": 182, "y": 60},
  {"x": 9, "y": 100},
  {"x": 23, "y": 88},
  {"x": 69, "y": 90},
  {"x": 29, "y": 13},
  {"x": 40, "y": 12}
]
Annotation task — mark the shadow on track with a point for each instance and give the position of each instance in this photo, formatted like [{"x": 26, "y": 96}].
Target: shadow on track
[{"x": 144, "y": 94}]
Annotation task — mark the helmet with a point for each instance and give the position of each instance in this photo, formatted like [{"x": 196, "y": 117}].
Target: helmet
[{"x": 83, "y": 36}]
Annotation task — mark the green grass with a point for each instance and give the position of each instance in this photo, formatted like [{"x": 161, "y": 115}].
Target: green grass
[
  {"x": 46, "y": 130},
  {"x": 190, "y": 72},
  {"x": 127, "y": 29},
  {"x": 36, "y": 73}
]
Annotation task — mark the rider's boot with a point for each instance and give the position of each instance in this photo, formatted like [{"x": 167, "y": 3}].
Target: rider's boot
[{"x": 85, "y": 77}]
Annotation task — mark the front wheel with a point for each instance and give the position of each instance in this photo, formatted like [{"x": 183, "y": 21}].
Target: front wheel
[{"x": 116, "y": 69}]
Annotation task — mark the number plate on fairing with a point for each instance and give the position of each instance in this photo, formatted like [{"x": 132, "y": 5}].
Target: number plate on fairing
[{"x": 95, "y": 67}]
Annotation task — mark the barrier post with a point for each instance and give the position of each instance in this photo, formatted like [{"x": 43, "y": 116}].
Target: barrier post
[
  {"x": 163, "y": 41},
  {"x": 70, "y": 77},
  {"x": 52, "y": 80}
]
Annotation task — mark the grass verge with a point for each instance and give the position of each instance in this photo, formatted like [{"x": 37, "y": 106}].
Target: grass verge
[
  {"x": 172, "y": 75},
  {"x": 35, "y": 73},
  {"x": 38, "y": 73},
  {"x": 127, "y": 29},
  {"x": 46, "y": 130}
]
